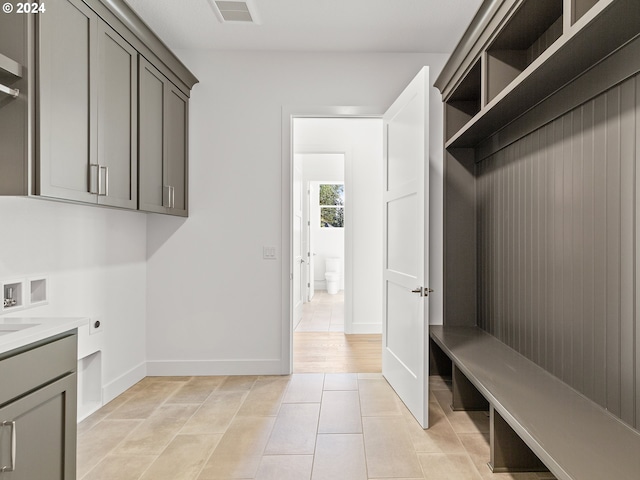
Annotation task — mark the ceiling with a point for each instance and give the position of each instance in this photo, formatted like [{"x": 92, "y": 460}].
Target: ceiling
[{"x": 431, "y": 26}]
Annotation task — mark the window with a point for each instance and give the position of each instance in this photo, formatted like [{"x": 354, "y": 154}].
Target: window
[{"x": 332, "y": 205}]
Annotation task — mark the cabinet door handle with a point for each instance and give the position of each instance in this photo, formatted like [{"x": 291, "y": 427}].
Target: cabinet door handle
[
  {"x": 12, "y": 92},
  {"x": 7, "y": 468},
  {"x": 166, "y": 196},
  {"x": 173, "y": 197},
  {"x": 106, "y": 180},
  {"x": 91, "y": 167}
]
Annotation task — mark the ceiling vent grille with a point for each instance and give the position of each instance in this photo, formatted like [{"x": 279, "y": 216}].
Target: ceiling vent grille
[{"x": 235, "y": 11}]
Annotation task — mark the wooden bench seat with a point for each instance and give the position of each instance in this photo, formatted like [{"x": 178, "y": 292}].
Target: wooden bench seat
[{"x": 573, "y": 436}]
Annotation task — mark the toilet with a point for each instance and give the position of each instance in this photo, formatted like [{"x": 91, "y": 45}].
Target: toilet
[{"x": 332, "y": 275}]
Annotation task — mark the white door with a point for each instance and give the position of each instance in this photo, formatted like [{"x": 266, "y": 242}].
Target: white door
[
  {"x": 298, "y": 261},
  {"x": 310, "y": 253},
  {"x": 405, "y": 331}
]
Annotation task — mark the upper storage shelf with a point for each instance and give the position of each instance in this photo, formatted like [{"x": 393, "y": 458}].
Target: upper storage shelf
[
  {"x": 529, "y": 33},
  {"x": 528, "y": 50},
  {"x": 465, "y": 102}
]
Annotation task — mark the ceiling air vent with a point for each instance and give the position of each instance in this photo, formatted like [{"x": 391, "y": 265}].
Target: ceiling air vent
[{"x": 235, "y": 11}]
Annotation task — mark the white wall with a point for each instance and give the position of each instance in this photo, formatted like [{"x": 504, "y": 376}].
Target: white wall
[
  {"x": 361, "y": 138},
  {"x": 95, "y": 259},
  {"x": 214, "y": 305}
]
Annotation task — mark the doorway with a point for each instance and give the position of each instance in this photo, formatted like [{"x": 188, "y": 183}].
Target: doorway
[
  {"x": 325, "y": 226},
  {"x": 337, "y": 251}
]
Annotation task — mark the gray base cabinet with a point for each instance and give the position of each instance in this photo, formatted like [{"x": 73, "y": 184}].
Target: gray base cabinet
[
  {"x": 162, "y": 144},
  {"x": 38, "y": 412}
]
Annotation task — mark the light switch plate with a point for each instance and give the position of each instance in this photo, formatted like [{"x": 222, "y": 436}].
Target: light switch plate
[{"x": 269, "y": 253}]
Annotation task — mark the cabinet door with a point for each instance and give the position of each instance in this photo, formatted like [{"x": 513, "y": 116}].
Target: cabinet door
[
  {"x": 67, "y": 101},
  {"x": 43, "y": 425},
  {"x": 153, "y": 193},
  {"x": 163, "y": 116},
  {"x": 176, "y": 144},
  {"x": 117, "y": 120}
]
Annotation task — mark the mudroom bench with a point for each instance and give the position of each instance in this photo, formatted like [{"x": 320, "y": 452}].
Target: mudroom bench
[{"x": 537, "y": 420}]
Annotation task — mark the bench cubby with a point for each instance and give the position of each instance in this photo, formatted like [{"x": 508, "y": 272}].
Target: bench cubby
[{"x": 537, "y": 422}]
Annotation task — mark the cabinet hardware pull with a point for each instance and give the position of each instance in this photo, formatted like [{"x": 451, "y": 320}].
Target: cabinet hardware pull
[
  {"x": 91, "y": 167},
  {"x": 14, "y": 92},
  {"x": 106, "y": 180},
  {"x": 173, "y": 197},
  {"x": 12, "y": 468},
  {"x": 166, "y": 201}
]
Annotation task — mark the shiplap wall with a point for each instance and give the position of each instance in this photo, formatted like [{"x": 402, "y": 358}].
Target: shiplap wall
[{"x": 557, "y": 267}]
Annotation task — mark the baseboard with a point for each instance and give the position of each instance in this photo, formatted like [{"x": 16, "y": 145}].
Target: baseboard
[
  {"x": 179, "y": 368},
  {"x": 123, "y": 382},
  {"x": 363, "y": 328}
]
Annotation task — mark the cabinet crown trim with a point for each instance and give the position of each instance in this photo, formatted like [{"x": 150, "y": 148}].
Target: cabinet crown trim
[{"x": 141, "y": 30}]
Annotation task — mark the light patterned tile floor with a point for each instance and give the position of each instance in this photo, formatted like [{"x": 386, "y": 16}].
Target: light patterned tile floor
[
  {"x": 300, "y": 427},
  {"x": 324, "y": 313}
]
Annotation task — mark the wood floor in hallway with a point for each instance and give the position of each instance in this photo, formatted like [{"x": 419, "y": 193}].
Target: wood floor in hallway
[
  {"x": 320, "y": 345},
  {"x": 335, "y": 352}
]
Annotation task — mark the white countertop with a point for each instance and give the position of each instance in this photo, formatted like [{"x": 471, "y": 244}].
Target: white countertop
[{"x": 16, "y": 332}]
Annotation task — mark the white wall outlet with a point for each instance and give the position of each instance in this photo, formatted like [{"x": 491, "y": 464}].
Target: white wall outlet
[{"x": 269, "y": 253}]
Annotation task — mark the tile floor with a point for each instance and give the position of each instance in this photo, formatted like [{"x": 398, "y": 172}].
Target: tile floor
[
  {"x": 298, "y": 427},
  {"x": 325, "y": 313}
]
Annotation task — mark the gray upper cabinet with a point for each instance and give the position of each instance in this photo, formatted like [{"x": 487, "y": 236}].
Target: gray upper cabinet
[
  {"x": 117, "y": 120},
  {"x": 162, "y": 144},
  {"x": 67, "y": 101},
  {"x": 13, "y": 111},
  {"x": 88, "y": 109},
  {"x": 77, "y": 127}
]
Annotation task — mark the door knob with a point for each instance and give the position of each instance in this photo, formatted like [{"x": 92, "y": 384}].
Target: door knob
[{"x": 424, "y": 292}]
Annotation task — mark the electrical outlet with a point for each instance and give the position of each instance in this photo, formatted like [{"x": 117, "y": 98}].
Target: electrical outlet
[{"x": 96, "y": 325}]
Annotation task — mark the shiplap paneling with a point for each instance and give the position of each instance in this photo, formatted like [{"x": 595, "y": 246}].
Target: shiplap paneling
[{"x": 557, "y": 233}]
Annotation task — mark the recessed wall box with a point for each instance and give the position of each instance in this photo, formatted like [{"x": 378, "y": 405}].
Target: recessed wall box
[
  {"x": 38, "y": 291},
  {"x": 12, "y": 295}
]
